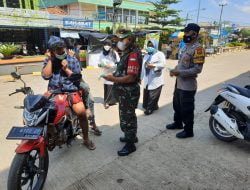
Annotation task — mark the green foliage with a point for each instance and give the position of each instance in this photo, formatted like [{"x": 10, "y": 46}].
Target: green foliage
[
  {"x": 204, "y": 38},
  {"x": 245, "y": 33},
  {"x": 140, "y": 42},
  {"x": 109, "y": 30},
  {"x": 83, "y": 54},
  {"x": 229, "y": 29},
  {"x": 8, "y": 49},
  {"x": 233, "y": 44},
  {"x": 120, "y": 27},
  {"x": 163, "y": 14}
]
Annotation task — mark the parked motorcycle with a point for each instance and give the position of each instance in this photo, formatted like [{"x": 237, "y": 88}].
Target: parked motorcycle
[
  {"x": 231, "y": 121},
  {"x": 48, "y": 122}
]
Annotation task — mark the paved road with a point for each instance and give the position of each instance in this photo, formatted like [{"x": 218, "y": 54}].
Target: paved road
[{"x": 162, "y": 161}]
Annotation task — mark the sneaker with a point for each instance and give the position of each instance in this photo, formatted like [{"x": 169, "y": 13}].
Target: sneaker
[
  {"x": 184, "y": 134},
  {"x": 174, "y": 126}
]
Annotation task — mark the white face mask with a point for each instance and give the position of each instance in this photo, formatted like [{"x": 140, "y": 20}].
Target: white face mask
[
  {"x": 107, "y": 48},
  {"x": 121, "y": 45}
]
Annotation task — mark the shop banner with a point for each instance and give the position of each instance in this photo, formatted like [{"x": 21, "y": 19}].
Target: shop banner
[{"x": 77, "y": 23}]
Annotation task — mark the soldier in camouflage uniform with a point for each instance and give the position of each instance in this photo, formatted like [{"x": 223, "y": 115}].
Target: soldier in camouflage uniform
[
  {"x": 189, "y": 66},
  {"x": 126, "y": 87}
]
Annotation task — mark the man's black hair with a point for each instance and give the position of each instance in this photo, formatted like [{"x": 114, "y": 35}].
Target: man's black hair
[{"x": 70, "y": 43}]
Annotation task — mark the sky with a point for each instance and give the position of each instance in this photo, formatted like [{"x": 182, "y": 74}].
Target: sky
[{"x": 236, "y": 11}]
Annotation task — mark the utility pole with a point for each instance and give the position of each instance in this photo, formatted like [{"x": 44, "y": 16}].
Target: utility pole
[
  {"x": 219, "y": 30},
  {"x": 187, "y": 17},
  {"x": 199, "y": 7}
]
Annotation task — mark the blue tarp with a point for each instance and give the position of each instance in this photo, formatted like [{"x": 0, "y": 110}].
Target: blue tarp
[
  {"x": 224, "y": 34},
  {"x": 214, "y": 36},
  {"x": 175, "y": 35}
]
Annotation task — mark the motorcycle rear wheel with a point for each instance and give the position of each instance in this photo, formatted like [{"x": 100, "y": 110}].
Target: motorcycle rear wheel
[
  {"x": 28, "y": 171},
  {"x": 219, "y": 131}
]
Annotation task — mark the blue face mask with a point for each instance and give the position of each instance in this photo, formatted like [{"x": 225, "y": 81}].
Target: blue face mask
[{"x": 150, "y": 50}]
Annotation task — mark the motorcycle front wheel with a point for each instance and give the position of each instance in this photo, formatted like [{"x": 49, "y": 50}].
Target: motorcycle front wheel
[
  {"x": 28, "y": 171},
  {"x": 219, "y": 131}
]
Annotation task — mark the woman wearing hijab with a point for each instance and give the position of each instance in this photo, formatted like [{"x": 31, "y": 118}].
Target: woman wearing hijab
[
  {"x": 152, "y": 75},
  {"x": 108, "y": 59}
]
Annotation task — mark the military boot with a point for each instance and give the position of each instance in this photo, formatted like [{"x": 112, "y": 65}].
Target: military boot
[{"x": 127, "y": 149}]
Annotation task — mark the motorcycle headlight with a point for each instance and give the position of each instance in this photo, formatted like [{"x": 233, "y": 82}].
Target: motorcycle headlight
[{"x": 30, "y": 118}]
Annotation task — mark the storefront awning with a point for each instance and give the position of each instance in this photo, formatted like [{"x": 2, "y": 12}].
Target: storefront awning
[{"x": 69, "y": 34}]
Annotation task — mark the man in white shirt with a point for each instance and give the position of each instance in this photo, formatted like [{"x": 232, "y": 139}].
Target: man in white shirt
[{"x": 152, "y": 75}]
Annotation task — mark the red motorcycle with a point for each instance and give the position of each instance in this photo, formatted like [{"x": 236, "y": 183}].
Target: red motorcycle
[{"x": 48, "y": 122}]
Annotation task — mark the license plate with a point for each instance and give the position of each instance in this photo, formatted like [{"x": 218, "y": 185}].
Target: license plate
[{"x": 26, "y": 133}]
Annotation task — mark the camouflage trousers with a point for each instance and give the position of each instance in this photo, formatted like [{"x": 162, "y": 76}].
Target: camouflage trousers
[{"x": 128, "y": 98}]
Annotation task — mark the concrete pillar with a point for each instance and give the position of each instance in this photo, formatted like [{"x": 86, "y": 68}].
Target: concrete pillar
[{"x": 4, "y": 3}]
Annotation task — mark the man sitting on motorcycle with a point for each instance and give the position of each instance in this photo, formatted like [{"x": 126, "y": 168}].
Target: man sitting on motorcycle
[{"x": 58, "y": 67}]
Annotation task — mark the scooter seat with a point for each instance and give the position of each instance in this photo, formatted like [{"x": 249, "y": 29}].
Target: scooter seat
[{"x": 243, "y": 91}]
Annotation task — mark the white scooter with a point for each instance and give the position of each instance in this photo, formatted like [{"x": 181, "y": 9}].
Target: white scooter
[{"x": 231, "y": 121}]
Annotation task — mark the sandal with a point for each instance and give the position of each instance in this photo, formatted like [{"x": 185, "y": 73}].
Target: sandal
[
  {"x": 96, "y": 131},
  {"x": 90, "y": 145}
]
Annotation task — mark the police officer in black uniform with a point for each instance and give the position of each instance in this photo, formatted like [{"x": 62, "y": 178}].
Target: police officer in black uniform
[
  {"x": 189, "y": 66},
  {"x": 126, "y": 87}
]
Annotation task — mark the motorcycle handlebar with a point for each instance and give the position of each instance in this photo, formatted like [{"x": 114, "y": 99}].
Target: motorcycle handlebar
[
  {"x": 12, "y": 93},
  {"x": 25, "y": 90},
  {"x": 19, "y": 107},
  {"x": 17, "y": 91}
]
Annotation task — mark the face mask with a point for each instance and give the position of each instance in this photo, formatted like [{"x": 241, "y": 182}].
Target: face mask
[
  {"x": 150, "y": 50},
  {"x": 107, "y": 48},
  {"x": 61, "y": 57},
  {"x": 121, "y": 46},
  {"x": 187, "y": 39}
]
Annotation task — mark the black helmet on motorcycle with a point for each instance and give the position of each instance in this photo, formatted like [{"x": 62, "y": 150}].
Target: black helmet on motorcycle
[{"x": 55, "y": 43}]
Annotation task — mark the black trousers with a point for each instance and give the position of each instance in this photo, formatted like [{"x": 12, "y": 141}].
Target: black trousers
[
  {"x": 109, "y": 97},
  {"x": 183, "y": 104},
  {"x": 151, "y": 98}
]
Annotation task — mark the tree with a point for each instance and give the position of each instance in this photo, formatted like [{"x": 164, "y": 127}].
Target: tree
[
  {"x": 245, "y": 33},
  {"x": 163, "y": 14}
]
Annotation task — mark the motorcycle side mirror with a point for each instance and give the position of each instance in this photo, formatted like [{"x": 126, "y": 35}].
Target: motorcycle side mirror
[{"x": 15, "y": 75}]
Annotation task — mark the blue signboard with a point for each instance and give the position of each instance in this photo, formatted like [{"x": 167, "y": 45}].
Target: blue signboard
[{"x": 77, "y": 23}]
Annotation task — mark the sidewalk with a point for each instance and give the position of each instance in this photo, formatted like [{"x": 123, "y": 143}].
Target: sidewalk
[
  {"x": 21, "y": 60},
  {"x": 161, "y": 161},
  {"x": 21, "y": 65}
]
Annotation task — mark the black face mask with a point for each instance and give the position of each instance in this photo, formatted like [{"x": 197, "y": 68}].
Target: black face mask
[
  {"x": 105, "y": 52},
  {"x": 187, "y": 39}
]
